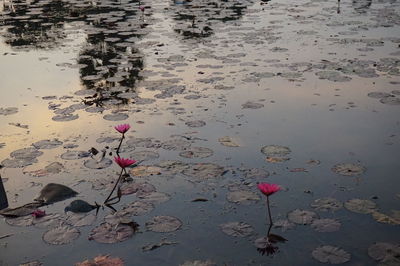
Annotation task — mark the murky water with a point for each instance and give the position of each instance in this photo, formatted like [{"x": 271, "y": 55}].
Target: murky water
[{"x": 207, "y": 87}]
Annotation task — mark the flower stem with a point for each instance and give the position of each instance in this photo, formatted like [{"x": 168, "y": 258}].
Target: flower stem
[
  {"x": 115, "y": 185},
  {"x": 269, "y": 212},
  {"x": 120, "y": 142}
]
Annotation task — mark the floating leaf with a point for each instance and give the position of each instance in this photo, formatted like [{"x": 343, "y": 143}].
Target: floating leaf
[
  {"x": 196, "y": 152},
  {"x": 48, "y": 221},
  {"x": 74, "y": 155},
  {"x": 102, "y": 260},
  {"x": 111, "y": 233},
  {"x": 204, "y": 171},
  {"x": 228, "y": 141},
  {"x": 199, "y": 263},
  {"x": 276, "y": 159},
  {"x": 61, "y": 235},
  {"x": 94, "y": 164},
  {"x": 256, "y": 173},
  {"x": 80, "y": 219},
  {"x": 195, "y": 123},
  {"x": 325, "y": 225},
  {"x": 145, "y": 170},
  {"x": 237, "y": 229},
  {"x": 302, "y": 217},
  {"x": 327, "y": 204},
  {"x": 275, "y": 150},
  {"x": 177, "y": 144},
  {"x": 163, "y": 224},
  {"x": 155, "y": 197},
  {"x": 284, "y": 225},
  {"x": 144, "y": 155},
  {"x": 79, "y": 206},
  {"x": 55, "y": 192},
  {"x": 32, "y": 263},
  {"x": 47, "y": 144},
  {"x": 138, "y": 208},
  {"x": 242, "y": 197},
  {"x": 330, "y": 254},
  {"x": 163, "y": 242},
  {"x": 348, "y": 169},
  {"x": 387, "y": 254},
  {"x": 252, "y": 105},
  {"x": 383, "y": 218},
  {"x": 115, "y": 117},
  {"x": 21, "y": 211},
  {"x": 360, "y": 206},
  {"x": 20, "y": 221}
]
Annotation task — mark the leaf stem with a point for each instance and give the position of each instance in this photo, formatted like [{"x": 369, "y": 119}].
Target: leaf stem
[{"x": 116, "y": 183}]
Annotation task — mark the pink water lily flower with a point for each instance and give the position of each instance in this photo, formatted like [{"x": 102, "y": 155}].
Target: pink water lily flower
[
  {"x": 141, "y": 8},
  {"x": 124, "y": 162},
  {"x": 38, "y": 213},
  {"x": 122, "y": 128},
  {"x": 268, "y": 189}
]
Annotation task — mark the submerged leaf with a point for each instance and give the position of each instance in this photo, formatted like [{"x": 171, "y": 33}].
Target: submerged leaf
[
  {"x": 163, "y": 224},
  {"x": 102, "y": 260},
  {"x": 330, "y": 254},
  {"x": 360, "y": 206},
  {"x": 61, "y": 235},
  {"x": 302, "y": 217},
  {"x": 325, "y": 225},
  {"x": 111, "y": 233},
  {"x": 237, "y": 229},
  {"x": 326, "y": 204}
]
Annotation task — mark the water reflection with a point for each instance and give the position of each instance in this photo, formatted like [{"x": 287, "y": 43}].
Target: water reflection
[
  {"x": 361, "y": 6},
  {"x": 109, "y": 63},
  {"x": 198, "y": 19}
]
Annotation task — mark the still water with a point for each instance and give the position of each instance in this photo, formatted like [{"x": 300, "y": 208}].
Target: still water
[{"x": 220, "y": 96}]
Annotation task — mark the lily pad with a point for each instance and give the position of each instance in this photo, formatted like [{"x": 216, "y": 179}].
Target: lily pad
[
  {"x": 21, "y": 211},
  {"x": 61, "y": 235},
  {"x": 390, "y": 100},
  {"x": 111, "y": 233},
  {"x": 8, "y": 111},
  {"x": 228, "y": 141},
  {"x": 327, "y": 204},
  {"x": 387, "y": 254},
  {"x": 94, "y": 164},
  {"x": 195, "y": 123},
  {"x": 199, "y": 263},
  {"x": 155, "y": 197},
  {"x": 47, "y": 144},
  {"x": 204, "y": 171},
  {"x": 360, "y": 206},
  {"x": 116, "y": 117},
  {"x": 196, "y": 152},
  {"x": 175, "y": 144},
  {"x": 383, "y": 218},
  {"x": 257, "y": 173},
  {"x": 102, "y": 260},
  {"x": 64, "y": 117},
  {"x": 163, "y": 224},
  {"x": 252, "y": 105},
  {"x": 242, "y": 197},
  {"x": 144, "y": 155},
  {"x": 138, "y": 208},
  {"x": 331, "y": 254},
  {"x": 80, "y": 219},
  {"x": 145, "y": 171},
  {"x": 277, "y": 159},
  {"x": 302, "y": 216},
  {"x": 284, "y": 225},
  {"x": 237, "y": 229},
  {"x": 348, "y": 169},
  {"x": 48, "y": 221},
  {"x": 20, "y": 221},
  {"x": 79, "y": 206},
  {"x": 55, "y": 192},
  {"x": 74, "y": 155},
  {"x": 275, "y": 150},
  {"x": 325, "y": 225}
]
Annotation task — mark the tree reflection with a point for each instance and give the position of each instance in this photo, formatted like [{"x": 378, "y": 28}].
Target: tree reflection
[
  {"x": 109, "y": 62},
  {"x": 197, "y": 19}
]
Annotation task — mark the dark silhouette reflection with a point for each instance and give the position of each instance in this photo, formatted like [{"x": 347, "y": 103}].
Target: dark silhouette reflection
[
  {"x": 268, "y": 244},
  {"x": 109, "y": 63},
  {"x": 361, "y": 6},
  {"x": 33, "y": 23},
  {"x": 197, "y": 19},
  {"x": 3, "y": 196}
]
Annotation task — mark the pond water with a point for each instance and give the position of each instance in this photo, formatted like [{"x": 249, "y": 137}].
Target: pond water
[{"x": 220, "y": 95}]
